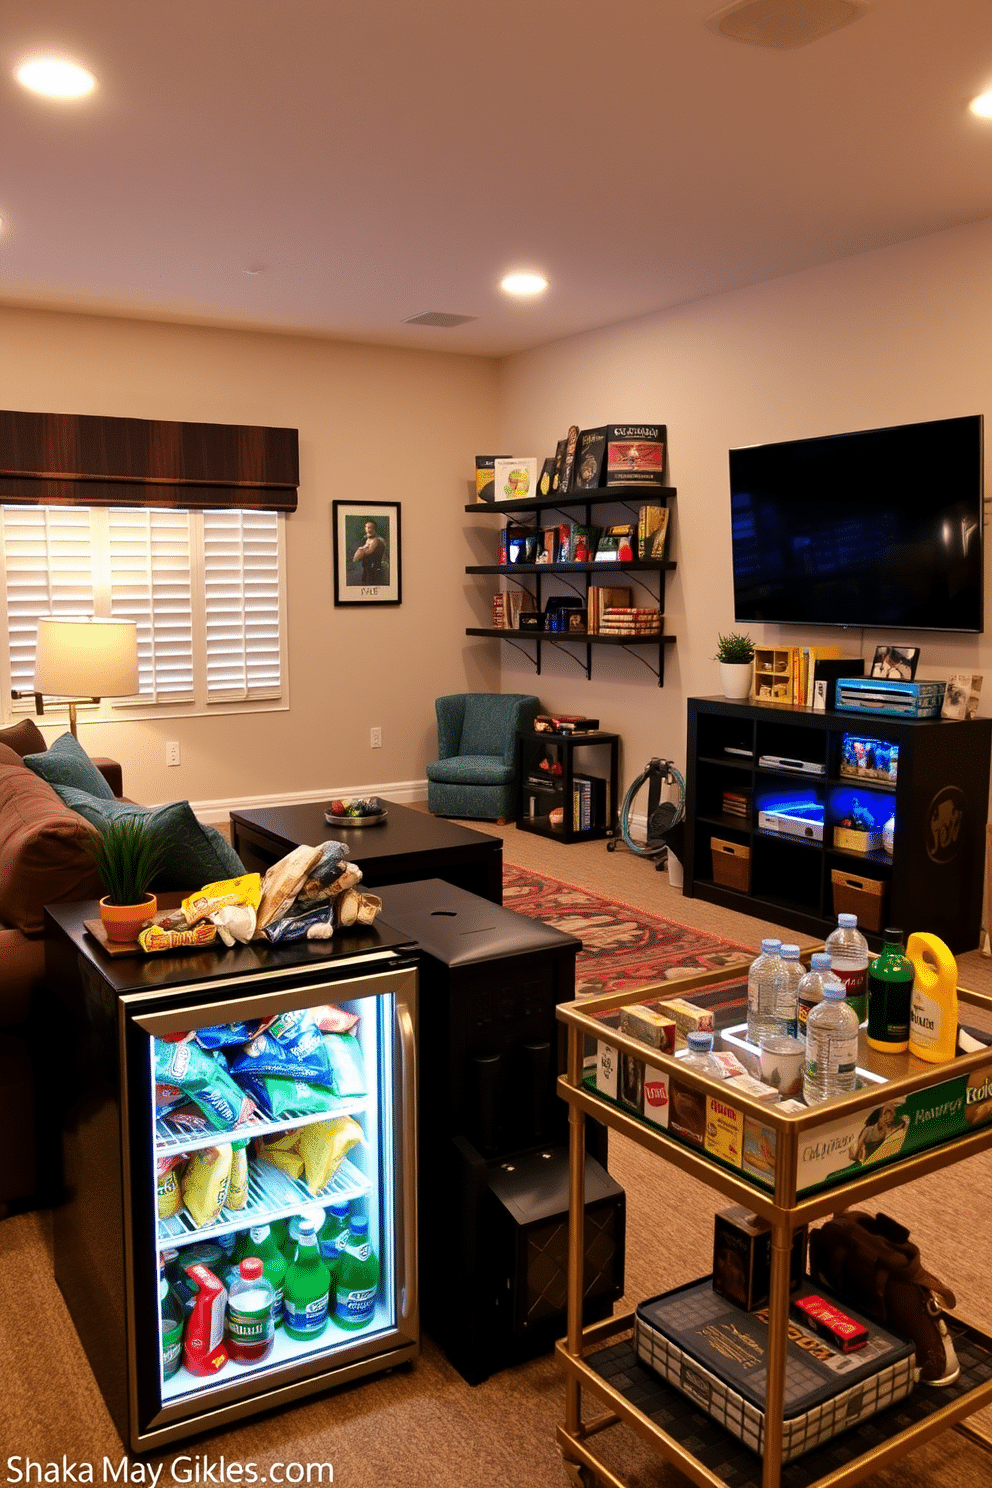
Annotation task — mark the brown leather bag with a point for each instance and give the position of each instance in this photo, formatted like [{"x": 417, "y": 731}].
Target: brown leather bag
[{"x": 870, "y": 1262}]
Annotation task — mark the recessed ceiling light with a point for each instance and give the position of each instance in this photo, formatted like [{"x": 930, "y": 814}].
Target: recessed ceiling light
[
  {"x": 982, "y": 105},
  {"x": 523, "y": 284},
  {"x": 54, "y": 77}
]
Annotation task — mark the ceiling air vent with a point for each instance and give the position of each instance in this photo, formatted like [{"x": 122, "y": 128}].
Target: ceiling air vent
[
  {"x": 783, "y": 23},
  {"x": 439, "y": 318}
]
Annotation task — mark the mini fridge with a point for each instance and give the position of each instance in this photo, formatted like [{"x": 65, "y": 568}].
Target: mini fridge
[{"x": 150, "y": 1057}]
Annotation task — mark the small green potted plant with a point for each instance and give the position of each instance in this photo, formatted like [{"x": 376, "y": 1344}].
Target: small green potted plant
[
  {"x": 128, "y": 856},
  {"x": 735, "y": 653}
]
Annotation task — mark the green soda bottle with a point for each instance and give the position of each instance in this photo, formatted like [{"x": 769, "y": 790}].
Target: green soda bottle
[
  {"x": 333, "y": 1237},
  {"x": 305, "y": 1290},
  {"x": 262, "y": 1243},
  {"x": 890, "y": 994},
  {"x": 173, "y": 1319},
  {"x": 316, "y": 1217},
  {"x": 357, "y": 1279}
]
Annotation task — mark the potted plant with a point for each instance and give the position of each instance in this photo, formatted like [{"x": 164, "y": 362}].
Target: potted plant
[
  {"x": 735, "y": 653},
  {"x": 128, "y": 855}
]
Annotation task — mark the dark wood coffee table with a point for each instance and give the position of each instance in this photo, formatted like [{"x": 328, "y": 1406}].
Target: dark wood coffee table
[{"x": 408, "y": 846}]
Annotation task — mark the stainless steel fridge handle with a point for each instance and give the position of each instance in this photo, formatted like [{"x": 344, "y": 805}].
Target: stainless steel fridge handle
[{"x": 408, "y": 1105}]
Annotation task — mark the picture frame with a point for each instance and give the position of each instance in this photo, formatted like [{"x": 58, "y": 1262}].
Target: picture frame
[
  {"x": 897, "y": 663},
  {"x": 367, "y": 552}
]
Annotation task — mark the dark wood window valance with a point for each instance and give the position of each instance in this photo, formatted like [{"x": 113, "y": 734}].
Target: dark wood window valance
[{"x": 65, "y": 459}]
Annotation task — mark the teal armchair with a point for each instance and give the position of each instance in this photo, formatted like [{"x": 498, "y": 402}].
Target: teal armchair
[{"x": 475, "y": 774}]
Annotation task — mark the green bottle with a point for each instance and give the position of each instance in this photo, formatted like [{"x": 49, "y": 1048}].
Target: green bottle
[
  {"x": 262, "y": 1243},
  {"x": 357, "y": 1279},
  {"x": 316, "y": 1217},
  {"x": 306, "y": 1288},
  {"x": 890, "y": 991},
  {"x": 333, "y": 1236}
]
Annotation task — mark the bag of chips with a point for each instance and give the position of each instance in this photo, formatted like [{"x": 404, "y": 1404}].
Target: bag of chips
[
  {"x": 324, "y": 1146},
  {"x": 205, "y": 1080},
  {"x": 237, "y": 1187},
  {"x": 205, "y": 1182}
]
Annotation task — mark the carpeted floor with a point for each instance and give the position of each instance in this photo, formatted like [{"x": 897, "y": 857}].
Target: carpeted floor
[
  {"x": 423, "y": 1427},
  {"x": 622, "y": 947}
]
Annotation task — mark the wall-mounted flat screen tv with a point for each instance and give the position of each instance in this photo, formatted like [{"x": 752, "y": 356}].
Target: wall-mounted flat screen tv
[{"x": 880, "y": 529}]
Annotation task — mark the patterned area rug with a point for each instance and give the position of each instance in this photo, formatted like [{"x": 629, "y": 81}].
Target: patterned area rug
[{"x": 621, "y": 947}]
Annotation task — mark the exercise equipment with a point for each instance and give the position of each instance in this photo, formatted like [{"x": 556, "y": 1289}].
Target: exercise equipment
[{"x": 663, "y": 816}]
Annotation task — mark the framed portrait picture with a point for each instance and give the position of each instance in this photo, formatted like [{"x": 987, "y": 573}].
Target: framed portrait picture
[
  {"x": 366, "y": 552},
  {"x": 895, "y": 662}
]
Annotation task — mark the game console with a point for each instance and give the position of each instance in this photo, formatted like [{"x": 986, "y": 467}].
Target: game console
[{"x": 797, "y": 819}]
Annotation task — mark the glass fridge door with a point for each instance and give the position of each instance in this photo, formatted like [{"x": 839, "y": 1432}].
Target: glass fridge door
[{"x": 280, "y": 1140}]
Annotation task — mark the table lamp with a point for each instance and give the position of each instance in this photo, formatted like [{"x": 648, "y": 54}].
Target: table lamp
[{"x": 87, "y": 657}]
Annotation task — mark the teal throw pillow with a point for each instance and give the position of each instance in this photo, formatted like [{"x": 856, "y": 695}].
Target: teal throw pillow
[
  {"x": 67, "y": 763},
  {"x": 196, "y": 854}
]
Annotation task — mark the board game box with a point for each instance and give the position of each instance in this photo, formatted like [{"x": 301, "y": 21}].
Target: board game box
[{"x": 716, "y": 1353}]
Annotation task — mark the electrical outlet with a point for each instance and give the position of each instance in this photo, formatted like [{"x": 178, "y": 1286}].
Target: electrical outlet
[
  {"x": 172, "y": 755},
  {"x": 375, "y": 738}
]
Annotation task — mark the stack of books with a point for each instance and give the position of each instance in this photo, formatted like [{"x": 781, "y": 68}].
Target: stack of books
[
  {"x": 507, "y": 607},
  {"x": 565, "y": 723},
  {"x": 630, "y": 620},
  {"x": 599, "y": 600},
  {"x": 590, "y": 802},
  {"x": 737, "y": 803}
]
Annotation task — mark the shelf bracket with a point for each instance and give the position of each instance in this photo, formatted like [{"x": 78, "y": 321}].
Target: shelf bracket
[
  {"x": 585, "y": 667},
  {"x": 659, "y": 670},
  {"x": 535, "y": 659}
]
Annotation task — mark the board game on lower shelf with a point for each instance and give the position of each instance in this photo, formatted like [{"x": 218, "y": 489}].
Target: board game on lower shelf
[{"x": 617, "y": 1366}]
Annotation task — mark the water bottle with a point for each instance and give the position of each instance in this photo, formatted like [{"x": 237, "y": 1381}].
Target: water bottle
[
  {"x": 849, "y": 960},
  {"x": 810, "y": 990},
  {"x": 787, "y": 994},
  {"x": 700, "y": 1056},
  {"x": 763, "y": 977},
  {"x": 831, "y": 1045}
]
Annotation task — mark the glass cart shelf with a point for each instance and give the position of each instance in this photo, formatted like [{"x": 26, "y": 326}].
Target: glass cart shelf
[{"x": 602, "y": 1359}]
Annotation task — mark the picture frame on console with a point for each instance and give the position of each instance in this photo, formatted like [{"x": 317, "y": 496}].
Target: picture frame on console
[
  {"x": 897, "y": 663},
  {"x": 367, "y": 556}
]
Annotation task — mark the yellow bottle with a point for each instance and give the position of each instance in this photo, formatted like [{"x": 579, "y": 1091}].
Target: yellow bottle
[{"x": 933, "y": 1018}]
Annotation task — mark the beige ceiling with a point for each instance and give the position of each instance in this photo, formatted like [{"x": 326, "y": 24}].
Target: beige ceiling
[{"x": 378, "y": 159}]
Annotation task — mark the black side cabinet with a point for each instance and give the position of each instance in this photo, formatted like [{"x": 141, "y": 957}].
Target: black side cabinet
[{"x": 768, "y": 790}]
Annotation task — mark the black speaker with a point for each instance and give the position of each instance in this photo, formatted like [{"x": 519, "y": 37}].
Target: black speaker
[{"x": 493, "y": 1140}]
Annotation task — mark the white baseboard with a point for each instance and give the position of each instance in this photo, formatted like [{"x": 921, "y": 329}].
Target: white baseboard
[{"x": 217, "y": 812}]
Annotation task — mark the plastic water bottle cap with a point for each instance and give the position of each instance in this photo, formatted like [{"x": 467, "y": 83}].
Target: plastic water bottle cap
[
  {"x": 699, "y": 1041},
  {"x": 836, "y": 991},
  {"x": 790, "y": 953},
  {"x": 821, "y": 961},
  {"x": 770, "y": 945},
  {"x": 360, "y": 1226},
  {"x": 849, "y": 921},
  {"x": 251, "y": 1268}
]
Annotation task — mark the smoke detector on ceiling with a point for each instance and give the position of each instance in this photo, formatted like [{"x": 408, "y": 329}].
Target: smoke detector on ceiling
[
  {"x": 439, "y": 318},
  {"x": 783, "y": 23}
]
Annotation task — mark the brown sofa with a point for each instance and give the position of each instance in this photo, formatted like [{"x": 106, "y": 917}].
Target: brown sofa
[{"x": 43, "y": 860}]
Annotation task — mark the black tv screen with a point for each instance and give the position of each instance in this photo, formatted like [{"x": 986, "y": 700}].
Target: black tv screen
[{"x": 880, "y": 529}]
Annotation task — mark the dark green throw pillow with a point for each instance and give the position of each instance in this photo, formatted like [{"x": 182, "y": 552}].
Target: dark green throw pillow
[
  {"x": 66, "y": 762},
  {"x": 196, "y": 854}
]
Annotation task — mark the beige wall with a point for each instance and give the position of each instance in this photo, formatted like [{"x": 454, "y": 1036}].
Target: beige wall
[
  {"x": 885, "y": 338},
  {"x": 374, "y": 423}
]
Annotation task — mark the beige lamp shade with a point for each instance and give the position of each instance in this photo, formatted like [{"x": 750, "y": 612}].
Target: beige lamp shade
[{"x": 83, "y": 656}]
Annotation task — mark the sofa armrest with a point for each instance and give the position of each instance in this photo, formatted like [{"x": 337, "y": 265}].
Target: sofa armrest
[{"x": 111, "y": 772}]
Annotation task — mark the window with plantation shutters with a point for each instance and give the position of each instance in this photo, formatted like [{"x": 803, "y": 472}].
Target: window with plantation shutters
[
  {"x": 150, "y": 582},
  {"x": 242, "y": 602},
  {"x": 205, "y": 589},
  {"x": 47, "y": 554}
]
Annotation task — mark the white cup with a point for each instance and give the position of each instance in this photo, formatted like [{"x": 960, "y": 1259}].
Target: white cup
[{"x": 782, "y": 1060}]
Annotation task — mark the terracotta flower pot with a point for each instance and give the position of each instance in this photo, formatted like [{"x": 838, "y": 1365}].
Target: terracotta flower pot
[{"x": 123, "y": 921}]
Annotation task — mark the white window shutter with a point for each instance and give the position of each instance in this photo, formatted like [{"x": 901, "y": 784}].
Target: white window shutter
[
  {"x": 150, "y": 583},
  {"x": 241, "y": 562},
  {"x": 47, "y": 563}
]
